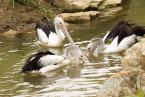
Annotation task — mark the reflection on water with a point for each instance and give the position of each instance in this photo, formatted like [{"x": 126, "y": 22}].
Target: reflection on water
[{"x": 71, "y": 81}]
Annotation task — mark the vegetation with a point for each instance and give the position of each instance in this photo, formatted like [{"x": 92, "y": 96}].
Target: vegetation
[
  {"x": 41, "y": 5},
  {"x": 140, "y": 93}
]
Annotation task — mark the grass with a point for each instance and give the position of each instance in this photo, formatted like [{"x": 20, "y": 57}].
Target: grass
[
  {"x": 32, "y": 3},
  {"x": 139, "y": 93},
  {"x": 41, "y": 5}
]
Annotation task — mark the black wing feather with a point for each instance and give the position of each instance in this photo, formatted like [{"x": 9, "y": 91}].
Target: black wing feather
[
  {"x": 124, "y": 29},
  {"x": 116, "y": 30},
  {"x": 32, "y": 62},
  {"x": 46, "y": 25},
  {"x": 138, "y": 30}
]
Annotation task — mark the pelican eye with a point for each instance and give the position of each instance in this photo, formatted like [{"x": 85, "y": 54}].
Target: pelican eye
[
  {"x": 81, "y": 56},
  {"x": 89, "y": 48}
]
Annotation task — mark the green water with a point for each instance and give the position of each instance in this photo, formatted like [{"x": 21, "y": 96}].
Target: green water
[{"x": 71, "y": 81}]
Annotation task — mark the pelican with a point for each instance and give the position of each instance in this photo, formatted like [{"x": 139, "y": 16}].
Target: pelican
[
  {"x": 75, "y": 54},
  {"x": 123, "y": 36},
  {"x": 50, "y": 34},
  {"x": 48, "y": 61}
]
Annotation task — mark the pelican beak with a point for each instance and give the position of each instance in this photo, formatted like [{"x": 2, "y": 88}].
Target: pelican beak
[{"x": 66, "y": 33}]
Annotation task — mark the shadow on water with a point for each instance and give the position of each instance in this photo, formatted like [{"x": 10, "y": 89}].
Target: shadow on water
[
  {"x": 74, "y": 70},
  {"x": 34, "y": 79},
  {"x": 40, "y": 79}
]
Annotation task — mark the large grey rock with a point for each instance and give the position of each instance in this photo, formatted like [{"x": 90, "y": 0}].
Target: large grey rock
[
  {"x": 111, "y": 11},
  {"x": 75, "y": 5},
  {"x": 132, "y": 77},
  {"x": 89, "y": 15},
  {"x": 122, "y": 84},
  {"x": 10, "y": 33},
  {"x": 111, "y": 3},
  {"x": 84, "y": 4},
  {"x": 135, "y": 56},
  {"x": 79, "y": 16}
]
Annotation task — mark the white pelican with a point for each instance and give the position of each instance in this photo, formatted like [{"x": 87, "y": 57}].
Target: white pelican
[
  {"x": 50, "y": 34},
  {"x": 123, "y": 36},
  {"x": 48, "y": 61}
]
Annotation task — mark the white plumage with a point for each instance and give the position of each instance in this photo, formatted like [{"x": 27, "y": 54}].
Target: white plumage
[
  {"x": 51, "y": 34},
  {"x": 123, "y": 36},
  {"x": 42, "y": 36},
  {"x": 48, "y": 61},
  {"x": 112, "y": 47},
  {"x": 126, "y": 43}
]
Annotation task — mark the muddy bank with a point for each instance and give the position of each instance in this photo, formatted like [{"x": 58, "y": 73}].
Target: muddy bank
[
  {"x": 24, "y": 17},
  {"x": 21, "y": 18}
]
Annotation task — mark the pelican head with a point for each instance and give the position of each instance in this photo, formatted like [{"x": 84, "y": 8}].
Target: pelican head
[
  {"x": 60, "y": 25},
  {"x": 96, "y": 45}
]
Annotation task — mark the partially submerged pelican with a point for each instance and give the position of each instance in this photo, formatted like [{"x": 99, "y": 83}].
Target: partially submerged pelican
[
  {"x": 51, "y": 34},
  {"x": 48, "y": 61},
  {"x": 123, "y": 36},
  {"x": 40, "y": 60}
]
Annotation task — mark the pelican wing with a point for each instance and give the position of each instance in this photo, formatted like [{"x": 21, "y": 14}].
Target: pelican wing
[
  {"x": 32, "y": 62},
  {"x": 42, "y": 37},
  {"x": 43, "y": 30},
  {"x": 54, "y": 67},
  {"x": 127, "y": 42},
  {"x": 138, "y": 30},
  {"x": 112, "y": 47},
  {"x": 50, "y": 60},
  {"x": 120, "y": 28},
  {"x": 129, "y": 30}
]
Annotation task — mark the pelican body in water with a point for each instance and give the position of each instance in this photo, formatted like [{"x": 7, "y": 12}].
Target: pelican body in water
[
  {"x": 50, "y": 34},
  {"x": 48, "y": 61},
  {"x": 123, "y": 36}
]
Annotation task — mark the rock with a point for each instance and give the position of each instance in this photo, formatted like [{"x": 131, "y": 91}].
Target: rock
[
  {"x": 122, "y": 84},
  {"x": 80, "y": 5},
  {"x": 111, "y": 11},
  {"x": 110, "y": 3},
  {"x": 77, "y": 5},
  {"x": 75, "y": 17},
  {"x": 84, "y": 4},
  {"x": 79, "y": 16},
  {"x": 11, "y": 33},
  {"x": 95, "y": 3},
  {"x": 135, "y": 56}
]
